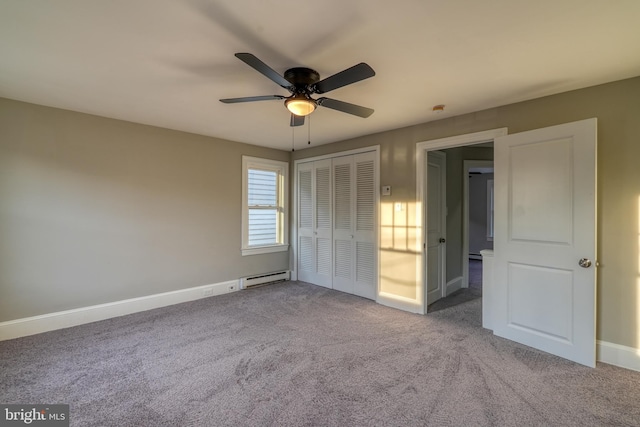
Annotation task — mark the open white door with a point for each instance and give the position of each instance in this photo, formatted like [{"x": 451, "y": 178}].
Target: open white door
[
  {"x": 545, "y": 239},
  {"x": 436, "y": 225}
]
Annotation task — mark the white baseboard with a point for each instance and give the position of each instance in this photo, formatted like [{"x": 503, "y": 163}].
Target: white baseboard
[
  {"x": 454, "y": 285},
  {"x": 401, "y": 303},
  {"x": 79, "y": 316},
  {"x": 612, "y": 354},
  {"x": 618, "y": 355}
]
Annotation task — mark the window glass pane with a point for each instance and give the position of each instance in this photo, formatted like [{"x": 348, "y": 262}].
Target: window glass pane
[
  {"x": 263, "y": 226},
  {"x": 263, "y": 188}
]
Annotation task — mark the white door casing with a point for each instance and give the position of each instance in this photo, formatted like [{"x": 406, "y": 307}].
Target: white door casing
[
  {"x": 545, "y": 223},
  {"x": 436, "y": 226}
]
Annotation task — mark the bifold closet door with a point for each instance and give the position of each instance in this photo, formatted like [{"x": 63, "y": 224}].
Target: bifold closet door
[
  {"x": 343, "y": 212},
  {"x": 314, "y": 222},
  {"x": 354, "y": 255}
]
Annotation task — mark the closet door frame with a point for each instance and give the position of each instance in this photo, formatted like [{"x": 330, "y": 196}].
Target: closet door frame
[{"x": 294, "y": 215}]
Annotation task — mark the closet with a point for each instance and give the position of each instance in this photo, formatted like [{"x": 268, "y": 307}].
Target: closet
[{"x": 336, "y": 218}]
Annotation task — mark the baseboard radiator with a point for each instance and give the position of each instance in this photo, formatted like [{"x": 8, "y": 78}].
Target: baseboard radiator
[{"x": 264, "y": 279}]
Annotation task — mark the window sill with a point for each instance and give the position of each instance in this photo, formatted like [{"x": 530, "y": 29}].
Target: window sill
[{"x": 264, "y": 250}]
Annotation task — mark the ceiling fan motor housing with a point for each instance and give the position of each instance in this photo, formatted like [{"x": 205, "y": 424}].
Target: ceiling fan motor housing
[{"x": 302, "y": 78}]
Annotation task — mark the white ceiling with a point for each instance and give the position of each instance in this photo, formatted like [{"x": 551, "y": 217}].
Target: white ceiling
[{"x": 167, "y": 62}]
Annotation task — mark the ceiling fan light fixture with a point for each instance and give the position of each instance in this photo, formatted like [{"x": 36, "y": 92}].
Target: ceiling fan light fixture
[
  {"x": 300, "y": 105},
  {"x": 302, "y": 83}
]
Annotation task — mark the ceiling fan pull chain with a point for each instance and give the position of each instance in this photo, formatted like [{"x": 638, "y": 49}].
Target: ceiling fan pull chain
[
  {"x": 292, "y": 138},
  {"x": 309, "y": 130}
]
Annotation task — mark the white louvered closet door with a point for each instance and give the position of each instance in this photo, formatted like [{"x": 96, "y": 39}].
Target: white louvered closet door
[
  {"x": 354, "y": 254},
  {"x": 305, "y": 196},
  {"x": 343, "y": 230},
  {"x": 322, "y": 222},
  {"x": 365, "y": 254},
  {"x": 314, "y": 222}
]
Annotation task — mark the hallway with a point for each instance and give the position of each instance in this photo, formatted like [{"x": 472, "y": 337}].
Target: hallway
[{"x": 465, "y": 294}]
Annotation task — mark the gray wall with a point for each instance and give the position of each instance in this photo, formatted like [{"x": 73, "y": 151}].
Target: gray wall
[
  {"x": 478, "y": 213},
  {"x": 94, "y": 210},
  {"x": 617, "y": 107}
]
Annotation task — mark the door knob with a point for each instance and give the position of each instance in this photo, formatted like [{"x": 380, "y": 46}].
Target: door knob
[
  {"x": 442, "y": 240},
  {"x": 584, "y": 262}
]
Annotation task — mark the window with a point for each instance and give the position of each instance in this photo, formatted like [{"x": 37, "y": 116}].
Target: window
[
  {"x": 264, "y": 206},
  {"x": 490, "y": 201}
]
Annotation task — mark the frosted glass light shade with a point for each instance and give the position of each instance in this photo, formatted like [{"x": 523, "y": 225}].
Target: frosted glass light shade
[{"x": 300, "y": 106}]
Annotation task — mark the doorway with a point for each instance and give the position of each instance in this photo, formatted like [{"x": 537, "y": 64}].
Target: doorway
[
  {"x": 470, "y": 222},
  {"x": 457, "y": 149}
]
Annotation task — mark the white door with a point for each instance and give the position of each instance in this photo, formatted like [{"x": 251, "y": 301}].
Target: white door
[
  {"x": 314, "y": 222},
  {"x": 364, "y": 246},
  {"x": 306, "y": 254},
  {"x": 354, "y": 246},
  {"x": 545, "y": 239},
  {"x": 322, "y": 222},
  {"x": 436, "y": 225},
  {"x": 343, "y": 208}
]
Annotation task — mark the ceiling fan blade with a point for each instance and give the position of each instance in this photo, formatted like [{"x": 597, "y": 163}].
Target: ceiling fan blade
[
  {"x": 345, "y": 107},
  {"x": 297, "y": 120},
  {"x": 263, "y": 68},
  {"x": 350, "y": 75},
  {"x": 251, "y": 99}
]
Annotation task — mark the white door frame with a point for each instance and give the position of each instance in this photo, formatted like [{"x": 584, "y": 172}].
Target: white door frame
[
  {"x": 421, "y": 193},
  {"x": 467, "y": 165}
]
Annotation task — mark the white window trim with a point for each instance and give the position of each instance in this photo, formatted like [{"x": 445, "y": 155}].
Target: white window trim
[{"x": 282, "y": 168}]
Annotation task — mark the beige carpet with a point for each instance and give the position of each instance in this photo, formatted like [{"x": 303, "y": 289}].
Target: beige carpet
[{"x": 300, "y": 355}]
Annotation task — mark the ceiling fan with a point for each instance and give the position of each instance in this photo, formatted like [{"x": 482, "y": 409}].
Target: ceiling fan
[{"x": 304, "y": 82}]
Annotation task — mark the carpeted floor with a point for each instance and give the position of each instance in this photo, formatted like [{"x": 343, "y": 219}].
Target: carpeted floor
[
  {"x": 294, "y": 354},
  {"x": 475, "y": 273},
  {"x": 465, "y": 294}
]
